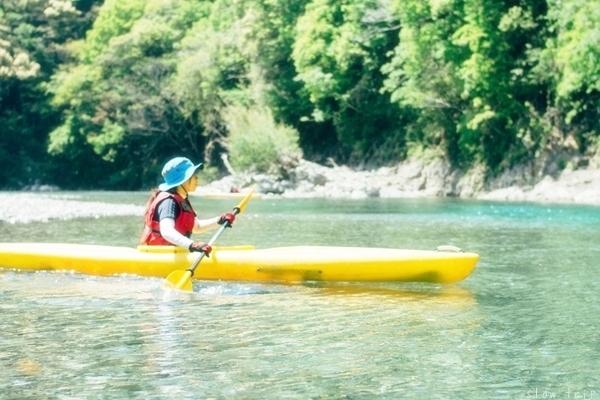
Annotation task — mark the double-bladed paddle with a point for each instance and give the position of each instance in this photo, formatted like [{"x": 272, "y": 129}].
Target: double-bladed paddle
[{"x": 183, "y": 279}]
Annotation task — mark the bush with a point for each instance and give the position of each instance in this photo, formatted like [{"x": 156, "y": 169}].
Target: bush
[{"x": 256, "y": 141}]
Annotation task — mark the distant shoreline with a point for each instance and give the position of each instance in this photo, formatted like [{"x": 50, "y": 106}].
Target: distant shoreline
[
  {"x": 581, "y": 186},
  {"x": 417, "y": 179}
]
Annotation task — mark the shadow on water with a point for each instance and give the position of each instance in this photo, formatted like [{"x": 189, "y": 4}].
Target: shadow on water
[{"x": 403, "y": 291}]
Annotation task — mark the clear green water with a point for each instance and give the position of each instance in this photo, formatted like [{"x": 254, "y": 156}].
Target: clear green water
[{"x": 526, "y": 320}]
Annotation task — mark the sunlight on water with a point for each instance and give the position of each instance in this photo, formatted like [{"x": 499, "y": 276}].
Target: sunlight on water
[{"x": 524, "y": 321}]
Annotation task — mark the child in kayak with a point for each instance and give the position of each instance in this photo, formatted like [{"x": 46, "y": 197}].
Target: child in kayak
[{"x": 170, "y": 218}]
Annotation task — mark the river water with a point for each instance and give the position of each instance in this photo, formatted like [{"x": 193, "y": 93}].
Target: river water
[{"x": 524, "y": 324}]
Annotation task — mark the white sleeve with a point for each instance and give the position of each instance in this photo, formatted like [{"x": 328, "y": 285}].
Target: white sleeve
[
  {"x": 203, "y": 225},
  {"x": 167, "y": 231}
]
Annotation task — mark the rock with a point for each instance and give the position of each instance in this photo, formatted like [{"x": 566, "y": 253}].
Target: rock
[
  {"x": 373, "y": 192},
  {"x": 433, "y": 178},
  {"x": 470, "y": 183},
  {"x": 512, "y": 193},
  {"x": 358, "y": 194}
]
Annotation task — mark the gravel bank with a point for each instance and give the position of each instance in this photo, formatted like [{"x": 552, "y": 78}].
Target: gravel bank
[{"x": 23, "y": 207}]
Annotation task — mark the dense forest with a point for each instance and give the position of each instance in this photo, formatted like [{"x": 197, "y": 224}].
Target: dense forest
[{"x": 99, "y": 94}]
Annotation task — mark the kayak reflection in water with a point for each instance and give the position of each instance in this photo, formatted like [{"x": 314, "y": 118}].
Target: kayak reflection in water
[{"x": 170, "y": 218}]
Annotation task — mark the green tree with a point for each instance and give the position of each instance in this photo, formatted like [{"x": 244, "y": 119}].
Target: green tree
[
  {"x": 338, "y": 53},
  {"x": 34, "y": 39},
  {"x": 156, "y": 79},
  {"x": 464, "y": 65},
  {"x": 364, "y": 81},
  {"x": 120, "y": 118},
  {"x": 568, "y": 66},
  {"x": 267, "y": 43}
]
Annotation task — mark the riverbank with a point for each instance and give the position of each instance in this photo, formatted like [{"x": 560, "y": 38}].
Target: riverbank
[
  {"x": 434, "y": 178},
  {"x": 414, "y": 179}
]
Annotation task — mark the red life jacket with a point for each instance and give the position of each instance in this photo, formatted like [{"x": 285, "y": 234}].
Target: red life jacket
[{"x": 184, "y": 223}]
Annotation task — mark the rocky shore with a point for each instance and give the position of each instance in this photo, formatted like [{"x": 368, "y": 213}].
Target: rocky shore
[
  {"x": 412, "y": 179},
  {"x": 434, "y": 178}
]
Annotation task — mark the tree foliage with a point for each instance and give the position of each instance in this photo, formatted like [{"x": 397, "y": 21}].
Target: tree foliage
[
  {"x": 256, "y": 142},
  {"x": 339, "y": 49},
  {"x": 465, "y": 65},
  {"x": 109, "y": 93},
  {"x": 34, "y": 40}
]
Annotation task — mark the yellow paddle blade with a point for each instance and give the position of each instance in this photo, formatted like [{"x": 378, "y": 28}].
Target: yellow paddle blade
[
  {"x": 183, "y": 279},
  {"x": 245, "y": 200},
  {"x": 179, "y": 279}
]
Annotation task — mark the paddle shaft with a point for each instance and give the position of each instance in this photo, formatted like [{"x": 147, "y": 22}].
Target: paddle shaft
[
  {"x": 183, "y": 281},
  {"x": 236, "y": 211}
]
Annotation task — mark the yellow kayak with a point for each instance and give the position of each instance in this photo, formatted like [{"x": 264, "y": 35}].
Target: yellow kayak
[{"x": 245, "y": 263}]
